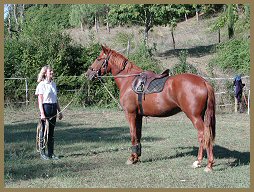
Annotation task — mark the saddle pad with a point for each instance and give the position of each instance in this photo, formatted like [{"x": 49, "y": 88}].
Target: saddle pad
[{"x": 156, "y": 85}]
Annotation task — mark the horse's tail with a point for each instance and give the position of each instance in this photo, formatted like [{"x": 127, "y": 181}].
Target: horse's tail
[{"x": 209, "y": 118}]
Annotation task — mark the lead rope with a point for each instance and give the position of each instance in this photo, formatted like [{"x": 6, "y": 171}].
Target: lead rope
[
  {"x": 118, "y": 104},
  {"x": 39, "y": 147}
]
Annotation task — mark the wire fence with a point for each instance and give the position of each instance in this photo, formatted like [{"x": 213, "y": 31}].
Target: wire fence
[{"x": 223, "y": 91}]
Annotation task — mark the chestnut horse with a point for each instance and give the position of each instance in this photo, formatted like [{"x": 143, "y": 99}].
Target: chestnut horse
[{"x": 185, "y": 92}]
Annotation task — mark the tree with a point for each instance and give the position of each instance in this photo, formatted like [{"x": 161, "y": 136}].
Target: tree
[
  {"x": 133, "y": 14},
  {"x": 169, "y": 15},
  {"x": 15, "y": 15},
  {"x": 87, "y": 14},
  {"x": 231, "y": 20},
  {"x": 227, "y": 18},
  {"x": 146, "y": 15}
]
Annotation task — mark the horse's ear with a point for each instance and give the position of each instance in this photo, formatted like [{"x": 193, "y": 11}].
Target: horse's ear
[{"x": 105, "y": 49}]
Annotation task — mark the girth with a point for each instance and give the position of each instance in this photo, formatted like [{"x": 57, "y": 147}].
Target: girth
[{"x": 148, "y": 82}]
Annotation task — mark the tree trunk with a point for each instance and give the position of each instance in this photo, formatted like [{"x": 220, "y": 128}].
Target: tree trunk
[
  {"x": 128, "y": 48},
  {"x": 197, "y": 14},
  {"x": 9, "y": 22},
  {"x": 230, "y": 21},
  {"x": 96, "y": 24},
  {"x": 15, "y": 16},
  {"x": 230, "y": 32},
  {"x": 81, "y": 26},
  {"x": 148, "y": 25},
  {"x": 108, "y": 28},
  {"x": 185, "y": 15},
  {"x": 173, "y": 38},
  {"x": 22, "y": 13},
  {"x": 219, "y": 34},
  {"x": 146, "y": 35}
]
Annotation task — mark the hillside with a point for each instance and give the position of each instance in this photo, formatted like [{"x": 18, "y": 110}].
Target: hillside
[{"x": 191, "y": 35}]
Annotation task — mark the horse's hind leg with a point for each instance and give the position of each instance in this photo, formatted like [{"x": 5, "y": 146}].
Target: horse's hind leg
[
  {"x": 199, "y": 125},
  {"x": 210, "y": 157}
]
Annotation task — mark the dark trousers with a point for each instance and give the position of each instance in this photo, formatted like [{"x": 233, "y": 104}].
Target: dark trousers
[{"x": 50, "y": 110}]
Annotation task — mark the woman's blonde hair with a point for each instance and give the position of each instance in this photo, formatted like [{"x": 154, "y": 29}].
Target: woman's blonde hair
[{"x": 42, "y": 74}]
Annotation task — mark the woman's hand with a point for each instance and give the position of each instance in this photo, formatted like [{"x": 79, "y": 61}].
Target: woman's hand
[
  {"x": 60, "y": 115},
  {"x": 43, "y": 117}
]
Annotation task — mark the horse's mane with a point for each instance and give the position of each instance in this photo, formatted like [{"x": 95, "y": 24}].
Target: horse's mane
[{"x": 119, "y": 60}]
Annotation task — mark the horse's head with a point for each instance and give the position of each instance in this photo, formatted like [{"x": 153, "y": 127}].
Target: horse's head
[{"x": 100, "y": 65}]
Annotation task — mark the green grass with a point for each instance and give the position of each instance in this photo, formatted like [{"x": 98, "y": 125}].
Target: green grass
[{"x": 94, "y": 145}]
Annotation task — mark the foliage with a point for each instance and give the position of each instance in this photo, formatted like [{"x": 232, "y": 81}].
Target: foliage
[
  {"x": 230, "y": 18},
  {"x": 142, "y": 57},
  {"x": 40, "y": 39},
  {"x": 242, "y": 25},
  {"x": 40, "y": 43},
  {"x": 234, "y": 56},
  {"x": 122, "y": 39},
  {"x": 183, "y": 66},
  {"x": 147, "y": 15},
  {"x": 85, "y": 14}
]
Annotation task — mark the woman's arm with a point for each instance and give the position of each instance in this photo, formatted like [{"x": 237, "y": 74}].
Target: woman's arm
[{"x": 40, "y": 102}]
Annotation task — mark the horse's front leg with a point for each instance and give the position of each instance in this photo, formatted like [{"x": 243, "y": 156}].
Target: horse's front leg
[{"x": 135, "y": 122}]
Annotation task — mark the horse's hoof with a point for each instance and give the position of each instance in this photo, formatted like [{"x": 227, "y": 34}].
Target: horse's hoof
[
  {"x": 208, "y": 170},
  {"x": 129, "y": 162},
  {"x": 196, "y": 164}
]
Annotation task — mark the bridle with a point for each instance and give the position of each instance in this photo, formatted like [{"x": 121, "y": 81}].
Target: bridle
[{"x": 104, "y": 65}]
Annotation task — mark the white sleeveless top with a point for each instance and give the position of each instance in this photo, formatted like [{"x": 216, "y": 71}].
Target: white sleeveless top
[{"x": 48, "y": 90}]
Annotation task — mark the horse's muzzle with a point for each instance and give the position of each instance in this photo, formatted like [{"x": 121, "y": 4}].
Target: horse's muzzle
[{"x": 91, "y": 75}]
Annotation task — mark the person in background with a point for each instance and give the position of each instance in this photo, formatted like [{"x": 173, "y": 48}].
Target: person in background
[
  {"x": 238, "y": 89},
  {"x": 48, "y": 105}
]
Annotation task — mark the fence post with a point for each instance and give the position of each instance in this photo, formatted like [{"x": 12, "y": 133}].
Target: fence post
[
  {"x": 236, "y": 105},
  {"x": 128, "y": 48},
  {"x": 249, "y": 102},
  {"x": 26, "y": 91}
]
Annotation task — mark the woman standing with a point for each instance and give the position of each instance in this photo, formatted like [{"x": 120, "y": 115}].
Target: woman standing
[{"x": 48, "y": 106}]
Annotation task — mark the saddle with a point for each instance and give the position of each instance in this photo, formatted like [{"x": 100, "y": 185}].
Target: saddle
[{"x": 148, "y": 82}]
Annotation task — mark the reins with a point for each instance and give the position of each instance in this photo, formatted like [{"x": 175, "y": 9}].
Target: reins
[
  {"x": 119, "y": 76},
  {"x": 105, "y": 66},
  {"x": 114, "y": 76}
]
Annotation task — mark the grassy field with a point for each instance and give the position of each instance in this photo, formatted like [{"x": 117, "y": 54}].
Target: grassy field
[{"x": 94, "y": 144}]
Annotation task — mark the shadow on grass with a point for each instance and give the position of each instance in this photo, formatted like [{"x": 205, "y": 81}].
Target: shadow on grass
[
  {"x": 48, "y": 169},
  {"x": 65, "y": 134},
  {"x": 240, "y": 158},
  {"x": 68, "y": 134},
  {"x": 198, "y": 51}
]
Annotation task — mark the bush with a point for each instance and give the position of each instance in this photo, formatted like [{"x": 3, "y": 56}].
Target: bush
[
  {"x": 183, "y": 66},
  {"x": 234, "y": 56},
  {"x": 143, "y": 58}
]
